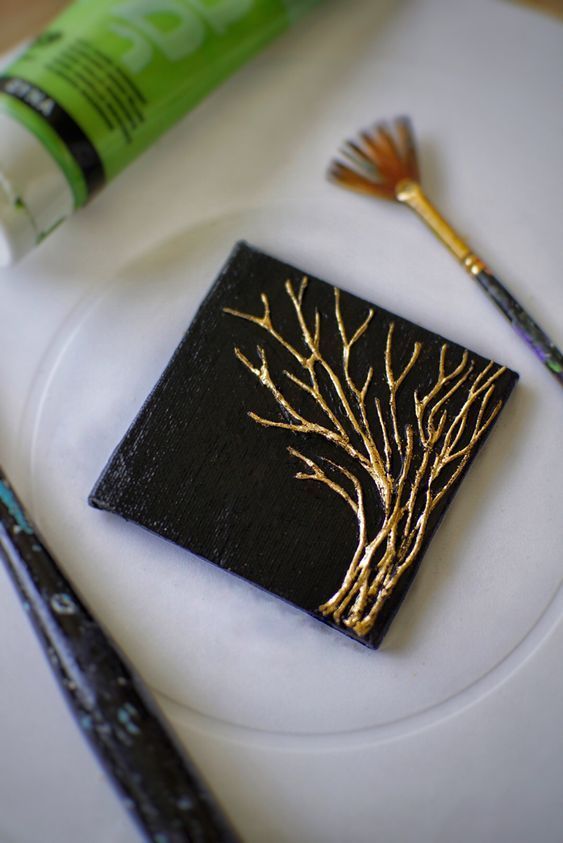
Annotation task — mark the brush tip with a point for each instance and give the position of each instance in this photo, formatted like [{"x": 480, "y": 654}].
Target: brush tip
[{"x": 378, "y": 160}]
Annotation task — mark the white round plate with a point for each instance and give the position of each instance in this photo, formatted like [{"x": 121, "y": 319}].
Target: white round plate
[{"x": 223, "y": 651}]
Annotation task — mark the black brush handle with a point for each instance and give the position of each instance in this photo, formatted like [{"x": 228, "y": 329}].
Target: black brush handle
[
  {"x": 523, "y": 324},
  {"x": 159, "y": 786}
]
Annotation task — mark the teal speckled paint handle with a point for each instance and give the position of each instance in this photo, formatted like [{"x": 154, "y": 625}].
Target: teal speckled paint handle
[
  {"x": 158, "y": 785},
  {"x": 523, "y": 324}
]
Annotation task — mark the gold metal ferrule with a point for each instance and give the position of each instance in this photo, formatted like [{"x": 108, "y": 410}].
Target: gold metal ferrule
[{"x": 411, "y": 193}]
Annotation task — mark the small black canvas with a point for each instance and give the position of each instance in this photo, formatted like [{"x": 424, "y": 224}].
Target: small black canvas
[{"x": 307, "y": 441}]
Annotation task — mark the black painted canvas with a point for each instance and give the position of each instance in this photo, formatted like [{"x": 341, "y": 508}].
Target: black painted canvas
[{"x": 307, "y": 441}]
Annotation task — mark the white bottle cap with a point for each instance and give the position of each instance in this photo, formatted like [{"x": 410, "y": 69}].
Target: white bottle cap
[{"x": 34, "y": 193}]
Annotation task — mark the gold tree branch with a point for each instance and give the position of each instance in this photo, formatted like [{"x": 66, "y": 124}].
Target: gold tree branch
[
  {"x": 441, "y": 381},
  {"x": 357, "y": 506},
  {"x": 476, "y": 436},
  {"x": 347, "y": 345},
  {"x": 321, "y": 476},
  {"x": 394, "y": 383},
  {"x": 379, "y": 474},
  {"x": 382, "y": 469},
  {"x": 386, "y": 448},
  {"x": 364, "y": 588},
  {"x": 460, "y": 420},
  {"x": 266, "y": 322},
  {"x": 297, "y": 302},
  {"x": 339, "y": 601},
  {"x": 413, "y": 539},
  {"x": 301, "y": 424},
  {"x": 308, "y": 363},
  {"x": 263, "y": 375},
  {"x": 315, "y": 393},
  {"x": 430, "y": 436},
  {"x": 463, "y": 375}
]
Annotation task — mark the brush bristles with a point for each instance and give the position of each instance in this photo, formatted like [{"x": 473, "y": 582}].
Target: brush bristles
[{"x": 378, "y": 160}]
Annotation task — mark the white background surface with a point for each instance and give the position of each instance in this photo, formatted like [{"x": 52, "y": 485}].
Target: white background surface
[{"x": 452, "y": 732}]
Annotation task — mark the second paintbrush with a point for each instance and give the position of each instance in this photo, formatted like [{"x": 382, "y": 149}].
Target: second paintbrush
[{"x": 158, "y": 785}]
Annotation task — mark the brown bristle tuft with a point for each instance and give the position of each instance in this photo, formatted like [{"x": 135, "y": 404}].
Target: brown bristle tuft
[{"x": 378, "y": 160}]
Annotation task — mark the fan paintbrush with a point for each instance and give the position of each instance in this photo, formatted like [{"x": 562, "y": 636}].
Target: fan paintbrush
[{"x": 383, "y": 163}]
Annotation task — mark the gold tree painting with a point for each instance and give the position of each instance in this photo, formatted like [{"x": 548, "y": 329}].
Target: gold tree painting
[
  {"x": 307, "y": 441},
  {"x": 440, "y": 440}
]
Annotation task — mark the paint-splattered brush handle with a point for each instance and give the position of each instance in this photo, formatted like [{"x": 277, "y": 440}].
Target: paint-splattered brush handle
[
  {"x": 523, "y": 324},
  {"x": 410, "y": 192},
  {"x": 159, "y": 787}
]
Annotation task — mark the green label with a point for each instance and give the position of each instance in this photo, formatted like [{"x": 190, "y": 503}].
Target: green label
[{"x": 115, "y": 74}]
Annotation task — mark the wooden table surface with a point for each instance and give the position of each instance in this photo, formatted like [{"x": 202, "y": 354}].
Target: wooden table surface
[{"x": 19, "y": 20}]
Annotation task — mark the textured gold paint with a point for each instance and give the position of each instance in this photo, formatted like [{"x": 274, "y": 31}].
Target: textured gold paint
[{"x": 407, "y": 502}]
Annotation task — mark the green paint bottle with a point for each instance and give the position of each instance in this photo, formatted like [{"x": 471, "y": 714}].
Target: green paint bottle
[{"x": 100, "y": 85}]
